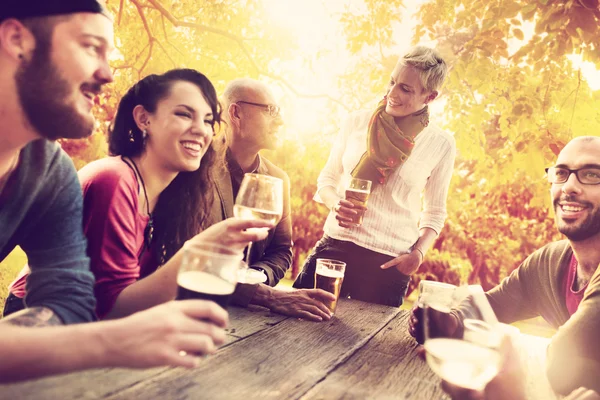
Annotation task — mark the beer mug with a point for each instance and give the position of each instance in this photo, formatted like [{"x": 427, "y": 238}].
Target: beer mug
[
  {"x": 329, "y": 276},
  {"x": 358, "y": 194},
  {"x": 209, "y": 271}
]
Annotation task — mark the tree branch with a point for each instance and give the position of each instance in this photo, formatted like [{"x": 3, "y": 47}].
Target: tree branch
[
  {"x": 299, "y": 94},
  {"x": 120, "y": 13},
  {"x": 151, "y": 39},
  {"x": 178, "y": 23},
  {"x": 575, "y": 101}
]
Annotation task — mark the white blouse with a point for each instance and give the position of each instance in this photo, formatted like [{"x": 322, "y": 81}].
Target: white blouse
[{"x": 394, "y": 211}]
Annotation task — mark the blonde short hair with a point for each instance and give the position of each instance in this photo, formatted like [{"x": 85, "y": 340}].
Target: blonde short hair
[{"x": 431, "y": 66}]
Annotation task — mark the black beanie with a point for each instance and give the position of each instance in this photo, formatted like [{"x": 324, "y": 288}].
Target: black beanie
[{"x": 22, "y": 9}]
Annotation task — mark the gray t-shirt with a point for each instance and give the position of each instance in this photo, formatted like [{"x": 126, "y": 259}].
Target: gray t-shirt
[{"x": 41, "y": 211}]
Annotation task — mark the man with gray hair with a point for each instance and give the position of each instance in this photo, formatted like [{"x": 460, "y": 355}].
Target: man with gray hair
[
  {"x": 404, "y": 157},
  {"x": 253, "y": 121}
]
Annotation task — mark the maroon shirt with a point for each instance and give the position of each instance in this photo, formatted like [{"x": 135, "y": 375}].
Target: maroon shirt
[
  {"x": 573, "y": 298},
  {"x": 114, "y": 229}
]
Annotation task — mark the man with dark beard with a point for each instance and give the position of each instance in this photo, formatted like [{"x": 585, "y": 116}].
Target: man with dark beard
[
  {"x": 53, "y": 62},
  {"x": 560, "y": 281}
]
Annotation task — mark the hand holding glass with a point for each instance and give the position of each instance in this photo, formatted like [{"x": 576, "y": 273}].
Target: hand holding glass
[
  {"x": 329, "y": 276},
  {"x": 358, "y": 194},
  {"x": 472, "y": 359}
]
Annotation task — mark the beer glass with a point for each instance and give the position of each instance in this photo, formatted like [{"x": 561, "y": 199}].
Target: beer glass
[
  {"x": 437, "y": 295},
  {"x": 329, "y": 276},
  {"x": 470, "y": 357},
  {"x": 209, "y": 271},
  {"x": 260, "y": 197},
  {"x": 358, "y": 194}
]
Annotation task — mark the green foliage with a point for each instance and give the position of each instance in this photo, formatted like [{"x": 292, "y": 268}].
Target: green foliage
[{"x": 9, "y": 269}]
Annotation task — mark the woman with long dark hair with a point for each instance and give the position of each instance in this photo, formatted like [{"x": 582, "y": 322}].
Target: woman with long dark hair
[{"x": 153, "y": 194}]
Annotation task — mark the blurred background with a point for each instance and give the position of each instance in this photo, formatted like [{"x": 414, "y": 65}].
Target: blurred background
[{"x": 524, "y": 80}]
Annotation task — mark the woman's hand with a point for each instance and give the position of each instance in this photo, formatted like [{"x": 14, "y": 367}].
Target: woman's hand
[
  {"x": 346, "y": 212},
  {"x": 235, "y": 232},
  {"x": 405, "y": 263}
]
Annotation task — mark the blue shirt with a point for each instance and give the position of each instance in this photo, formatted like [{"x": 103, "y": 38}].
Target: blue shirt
[{"x": 41, "y": 211}]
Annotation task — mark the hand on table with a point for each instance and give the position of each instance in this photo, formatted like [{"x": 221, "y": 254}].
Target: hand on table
[
  {"x": 173, "y": 333},
  {"x": 302, "y": 303},
  {"x": 405, "y": 263},
  {"x": 345, "y": 210},
  {"x": 234, "y": 232}
]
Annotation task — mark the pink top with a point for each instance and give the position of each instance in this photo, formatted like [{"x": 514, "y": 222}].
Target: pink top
[
  {"x": 573, "y": 298},
  {"x": 114, "y": 229}
]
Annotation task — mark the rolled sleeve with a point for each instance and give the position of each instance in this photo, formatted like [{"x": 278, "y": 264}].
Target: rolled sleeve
[
  {"x": 332, "y": 172},
  {"x": 115, "y": 231},
  {"x": 436, "y": 191}
]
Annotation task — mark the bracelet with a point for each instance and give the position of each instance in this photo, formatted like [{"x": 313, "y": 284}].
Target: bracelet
[{"x": 422, "y": 255}]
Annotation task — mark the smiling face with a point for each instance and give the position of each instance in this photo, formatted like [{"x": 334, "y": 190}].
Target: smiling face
[
  {"x": 181, "y": 129},
  {"x": 57, "y": 83},
  {"x": 405, "y": 92},
  {"x": 577, "y": 206}
]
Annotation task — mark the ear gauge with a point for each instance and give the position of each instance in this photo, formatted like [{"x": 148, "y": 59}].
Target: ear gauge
[{"x": 20, "y": 56}]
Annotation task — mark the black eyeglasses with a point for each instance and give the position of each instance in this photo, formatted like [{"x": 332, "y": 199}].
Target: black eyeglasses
[
  {"x": 585, "y": 176},
  {"x": 271, "y": 109}
]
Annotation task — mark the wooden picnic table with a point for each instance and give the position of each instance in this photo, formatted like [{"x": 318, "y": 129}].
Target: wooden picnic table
[{"x": 364, "y": 352}]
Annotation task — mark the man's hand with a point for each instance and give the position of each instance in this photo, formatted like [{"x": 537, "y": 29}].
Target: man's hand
[
  {"x": 508, "y": 384},
  {"x": 303, "y": 303},
  {"x": 235, "y": 232},
  {"x": 345, "y": 211},
  {"x": 173, "y": 333},
  {"x": 405, "y": 263},
  {"x": 441, "y": 323}
]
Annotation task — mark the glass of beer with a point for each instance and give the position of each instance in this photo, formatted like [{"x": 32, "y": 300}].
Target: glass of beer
[
  {"x": 329, "y": 276},
  {"x": 209, "y": 271},
  {"x": 437, "y": 295},
  {"x": 358, "y": 194},
  {"x": 469, "y": 357}
]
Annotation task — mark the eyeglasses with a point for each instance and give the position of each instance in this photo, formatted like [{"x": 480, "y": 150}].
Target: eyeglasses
[
  {"x": 271, "y": 109},
  {"x": 585, "y": 176}
]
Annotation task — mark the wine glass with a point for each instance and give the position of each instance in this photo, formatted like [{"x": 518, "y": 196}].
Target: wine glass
[
  {"x": 466, "y": 355},
  {"x": 260, "y": 197}
]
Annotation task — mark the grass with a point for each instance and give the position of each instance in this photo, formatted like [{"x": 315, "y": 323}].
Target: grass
[{"x": 9, "y": 268}]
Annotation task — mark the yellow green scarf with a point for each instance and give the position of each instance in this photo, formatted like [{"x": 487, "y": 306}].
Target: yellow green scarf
[{"x": 389, "y": 143}]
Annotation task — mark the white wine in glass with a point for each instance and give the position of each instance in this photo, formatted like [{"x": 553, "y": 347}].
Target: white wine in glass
[{"x": 261, "y": 198}]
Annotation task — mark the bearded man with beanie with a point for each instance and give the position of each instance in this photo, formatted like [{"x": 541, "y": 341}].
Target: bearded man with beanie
[{"x": 53, "y": 62}]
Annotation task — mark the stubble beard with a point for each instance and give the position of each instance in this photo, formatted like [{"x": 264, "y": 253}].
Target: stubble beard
[{"x": 43, "y": 94}]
